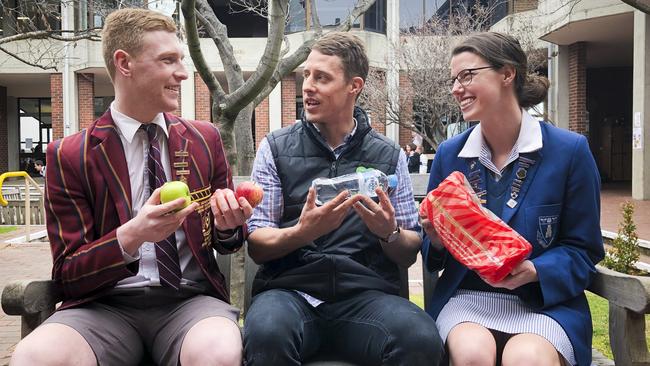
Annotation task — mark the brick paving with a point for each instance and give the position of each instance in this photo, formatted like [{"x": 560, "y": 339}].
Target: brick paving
[
  {"x": 19, "y": 261},
  {"x": 33, "y": 260}
]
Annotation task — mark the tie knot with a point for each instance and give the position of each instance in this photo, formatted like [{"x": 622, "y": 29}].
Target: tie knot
[{"x": 152, "y": 130}]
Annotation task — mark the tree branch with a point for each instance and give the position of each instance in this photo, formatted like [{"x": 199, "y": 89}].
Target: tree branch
[
  {"x": 290, "y": 63},
  {"x": 194, "y": 46},
  {"x": 219, "y": 34},
  {"x": 34, "y": 64},
  {"x": 44, "y": 34},
  {"x": 241, "y": 97}
]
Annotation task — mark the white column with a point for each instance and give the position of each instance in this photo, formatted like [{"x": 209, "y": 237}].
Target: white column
[
  {"x": 392, "y": 72},
  {"x": 275, "y": 108},
  {"x": 187, "y": 93},
  {"x": 69, "y": 80},
  {"x": 559, "y": 92},
  {"x": 641, "y": 108}
]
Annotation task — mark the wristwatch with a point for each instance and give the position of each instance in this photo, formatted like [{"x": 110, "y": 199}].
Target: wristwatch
[{"x": 391, "y": 237}]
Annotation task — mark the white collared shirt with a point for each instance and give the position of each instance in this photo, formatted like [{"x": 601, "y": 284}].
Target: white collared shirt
[
  {"x": 529, "y": 140},
  {"x": 136, "y": 145}
]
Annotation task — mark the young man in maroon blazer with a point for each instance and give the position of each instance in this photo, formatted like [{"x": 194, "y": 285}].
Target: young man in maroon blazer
[{"x": 125, "y": 293}]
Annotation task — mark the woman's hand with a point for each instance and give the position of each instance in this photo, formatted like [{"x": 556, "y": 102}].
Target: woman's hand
[
  {"x": 428, "y": 229},
  {"x": 522, "y": 274}
]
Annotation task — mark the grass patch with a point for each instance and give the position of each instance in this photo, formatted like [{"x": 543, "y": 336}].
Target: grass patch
[
  {"x": 600, "y": 318},
  {"x": 6, "y": 229},
  {"x": 417, "y": 300}
]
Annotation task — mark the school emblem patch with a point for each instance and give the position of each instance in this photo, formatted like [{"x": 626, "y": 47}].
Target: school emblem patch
[{"x": 547, "y": 229}]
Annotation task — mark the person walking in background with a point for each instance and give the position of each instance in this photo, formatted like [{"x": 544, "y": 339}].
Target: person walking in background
[
  {"x": 543, "y": 182},
  {"x": 39, "y": 167},
  {"x": 413, "y": 159}
]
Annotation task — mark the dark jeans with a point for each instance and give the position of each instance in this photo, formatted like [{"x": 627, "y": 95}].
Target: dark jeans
[{"x": 371, "y": 328}]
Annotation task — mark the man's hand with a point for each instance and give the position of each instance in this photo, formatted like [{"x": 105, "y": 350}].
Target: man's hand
[
  {"x": 522, "y": 274},
  {"x": 315, "y": 221},
  {"x": 379, "y": 218},
  {"x": 154, "y": 222},
  {"x": 428, "y": 229},
  {"x": 229, "y": 213}
]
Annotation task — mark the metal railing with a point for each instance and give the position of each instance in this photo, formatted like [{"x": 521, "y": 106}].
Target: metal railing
[{"x": 28, "y": 182}]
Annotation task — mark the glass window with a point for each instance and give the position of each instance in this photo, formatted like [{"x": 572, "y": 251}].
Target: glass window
[
  {"x": 101, "y": 105},
  {"x": 413, "y": 13},
  {"x": 330, "y": 12},
  {"x": 35, "y": 124},
  {"x": 296, "y": 21},
  {"x": 375, "y": 17}
]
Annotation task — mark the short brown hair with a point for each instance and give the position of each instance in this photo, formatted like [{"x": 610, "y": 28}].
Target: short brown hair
[
  {"x": 349, "y": 48},
  {"x": 501, "y": 49},
  {"x": 124, "y": 29}
]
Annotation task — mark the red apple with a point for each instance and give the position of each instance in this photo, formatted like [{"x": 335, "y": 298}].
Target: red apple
[{"x": 251, "y": 192}]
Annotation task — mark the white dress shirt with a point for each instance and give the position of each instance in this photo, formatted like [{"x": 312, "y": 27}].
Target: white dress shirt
[{"x": 136, "y": 145}]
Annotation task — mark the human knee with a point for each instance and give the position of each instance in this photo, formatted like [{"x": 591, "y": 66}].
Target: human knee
[
  {"x": 213, "y": 341},
  {"x": 530, "y": 350},
  {"x": 218, "y": 356},
  {"x": 419, "y": 333},
  {"x": 471, "y": 344},
  {"x": 40, "y": 348},
  {"x": 271, "y": 319}
]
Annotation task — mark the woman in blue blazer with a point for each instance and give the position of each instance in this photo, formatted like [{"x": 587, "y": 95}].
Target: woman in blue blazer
[{"x": 543, "y": 182}]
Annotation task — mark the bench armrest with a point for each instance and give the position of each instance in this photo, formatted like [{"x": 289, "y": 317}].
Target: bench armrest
[
  {"x": 33, "y": 300},
  {"x": 629, "y": 301}
]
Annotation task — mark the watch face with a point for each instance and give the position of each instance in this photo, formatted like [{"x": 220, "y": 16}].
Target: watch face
[{"x": 393, "y": 236}]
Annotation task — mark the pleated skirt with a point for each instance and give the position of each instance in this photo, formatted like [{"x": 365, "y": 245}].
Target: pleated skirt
[{"x": 505, "y": 313}]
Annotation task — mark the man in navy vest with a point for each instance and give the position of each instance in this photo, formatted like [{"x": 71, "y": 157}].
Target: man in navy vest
[{"x": 329, "y": 276}]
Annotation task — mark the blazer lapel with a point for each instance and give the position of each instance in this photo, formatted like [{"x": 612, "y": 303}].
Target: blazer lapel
[
  {"x": 180, "y": 153},
  {"x": 178, "y": 148},
  {"x": 109, "y": 155},
  {"x": 509, "y": 209}
]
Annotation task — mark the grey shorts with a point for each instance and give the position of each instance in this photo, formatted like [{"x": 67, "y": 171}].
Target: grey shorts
[{"x": 123, "y": 326}]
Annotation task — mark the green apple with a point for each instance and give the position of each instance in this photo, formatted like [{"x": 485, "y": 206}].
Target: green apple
[{"x": 173, "y": 190}]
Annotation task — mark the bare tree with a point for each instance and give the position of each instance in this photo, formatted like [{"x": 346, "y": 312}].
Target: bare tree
[
  {"x": 233, "y": 110},
  {"x": 425, "y": 105},
  {"x": 33, "y": 33}
]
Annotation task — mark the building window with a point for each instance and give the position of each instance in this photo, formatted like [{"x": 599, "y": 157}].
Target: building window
[
  {"x": 374, "y": 19},
  {"x": 101, "y": 105},
  {"x": 21, "y": 16},
  {"x": 450, "y": 8},
  {"x": 332, "y": 12},
  {"x": 241, "y": 23},
  {"x": 35, "y": 124}
]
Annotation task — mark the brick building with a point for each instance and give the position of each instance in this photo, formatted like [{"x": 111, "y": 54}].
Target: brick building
[
  {"x": 599, "y": 72},
  {"x": 597, "y": 67}
]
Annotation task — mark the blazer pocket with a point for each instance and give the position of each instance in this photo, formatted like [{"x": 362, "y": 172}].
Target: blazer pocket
[{"x": 543, "y": 224}]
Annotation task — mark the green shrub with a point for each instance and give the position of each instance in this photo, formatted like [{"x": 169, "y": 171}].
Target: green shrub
[{"x": 625, "y": 248}]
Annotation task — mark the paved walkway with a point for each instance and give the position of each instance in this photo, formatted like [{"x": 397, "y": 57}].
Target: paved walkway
[
  {"x": 33, "y": 260},
  {"x": 19, "y": 261}
]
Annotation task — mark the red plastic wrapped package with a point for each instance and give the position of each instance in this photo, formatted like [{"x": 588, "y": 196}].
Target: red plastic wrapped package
[{"x": 472, "y": 234}]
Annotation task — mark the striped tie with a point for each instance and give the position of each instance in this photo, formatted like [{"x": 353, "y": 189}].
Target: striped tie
[{"x": 166, "y": 251}]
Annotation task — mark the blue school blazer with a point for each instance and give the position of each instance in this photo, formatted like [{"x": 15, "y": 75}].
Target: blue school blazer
[{"x": 557, "y": 211}]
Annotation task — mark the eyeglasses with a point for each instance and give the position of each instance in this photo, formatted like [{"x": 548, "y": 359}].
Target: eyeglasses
[{"x": 464, "y": 77}]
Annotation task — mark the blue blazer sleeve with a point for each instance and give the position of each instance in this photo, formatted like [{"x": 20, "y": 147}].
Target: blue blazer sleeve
[{"x": 565, "y": 270}]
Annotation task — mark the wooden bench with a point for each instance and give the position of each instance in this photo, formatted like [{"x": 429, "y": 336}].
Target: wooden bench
[
  {"x": 628, "y": 296},
  {"x": 15, "y": 212}
]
